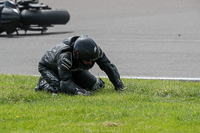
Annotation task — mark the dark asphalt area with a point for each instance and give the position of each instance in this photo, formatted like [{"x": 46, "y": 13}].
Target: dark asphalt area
[{"x": 145, "y": 38}]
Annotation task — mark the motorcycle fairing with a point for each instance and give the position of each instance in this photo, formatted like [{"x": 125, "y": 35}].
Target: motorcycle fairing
[{"x": 10, "y": 17}]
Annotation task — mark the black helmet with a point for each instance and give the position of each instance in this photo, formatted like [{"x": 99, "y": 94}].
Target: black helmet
[{"x": 86, "y": 49}]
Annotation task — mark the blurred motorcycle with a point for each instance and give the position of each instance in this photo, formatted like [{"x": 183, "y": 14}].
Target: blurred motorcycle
[{"x": 29, "y": 15}]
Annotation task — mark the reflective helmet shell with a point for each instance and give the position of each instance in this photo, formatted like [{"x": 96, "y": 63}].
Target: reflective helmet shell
[{"x": 85, "y": 48}]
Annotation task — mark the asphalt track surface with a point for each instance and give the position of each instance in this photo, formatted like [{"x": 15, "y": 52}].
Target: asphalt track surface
[{"x": 143, "y": 38}]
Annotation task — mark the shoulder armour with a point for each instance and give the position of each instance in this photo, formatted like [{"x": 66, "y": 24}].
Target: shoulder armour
[{"x": 70, "y": 40}]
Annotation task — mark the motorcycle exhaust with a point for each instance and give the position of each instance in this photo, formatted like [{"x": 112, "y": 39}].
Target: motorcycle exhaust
[{"x": 44, "y": 17}]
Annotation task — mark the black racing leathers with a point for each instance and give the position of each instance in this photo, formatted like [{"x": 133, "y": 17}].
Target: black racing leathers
[{"x": 57, "y": 67}]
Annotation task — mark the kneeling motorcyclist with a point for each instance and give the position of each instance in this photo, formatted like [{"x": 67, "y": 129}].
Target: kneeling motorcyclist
[{"x": 65, "y": 67}]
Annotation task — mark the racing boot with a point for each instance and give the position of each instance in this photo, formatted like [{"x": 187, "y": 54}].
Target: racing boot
[
  {"x": 37, "y": 88},
  {"x": 43, "y": 85}
]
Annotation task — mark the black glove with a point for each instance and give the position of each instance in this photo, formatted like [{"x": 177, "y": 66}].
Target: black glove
[
  {"x": 120, "y": 86},
  {"x": 82, "y": 92}
]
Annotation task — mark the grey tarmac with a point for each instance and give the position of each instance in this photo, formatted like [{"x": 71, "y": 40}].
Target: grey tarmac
[{"x": 143, "y": 38}]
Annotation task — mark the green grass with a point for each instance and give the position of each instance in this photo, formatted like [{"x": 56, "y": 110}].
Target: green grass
[{"x": 146, "y": 106}]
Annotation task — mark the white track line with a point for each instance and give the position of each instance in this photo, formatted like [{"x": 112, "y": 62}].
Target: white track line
[
  {"x": 152, "y": 78},
  {"x": 158, "y": 78}
]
